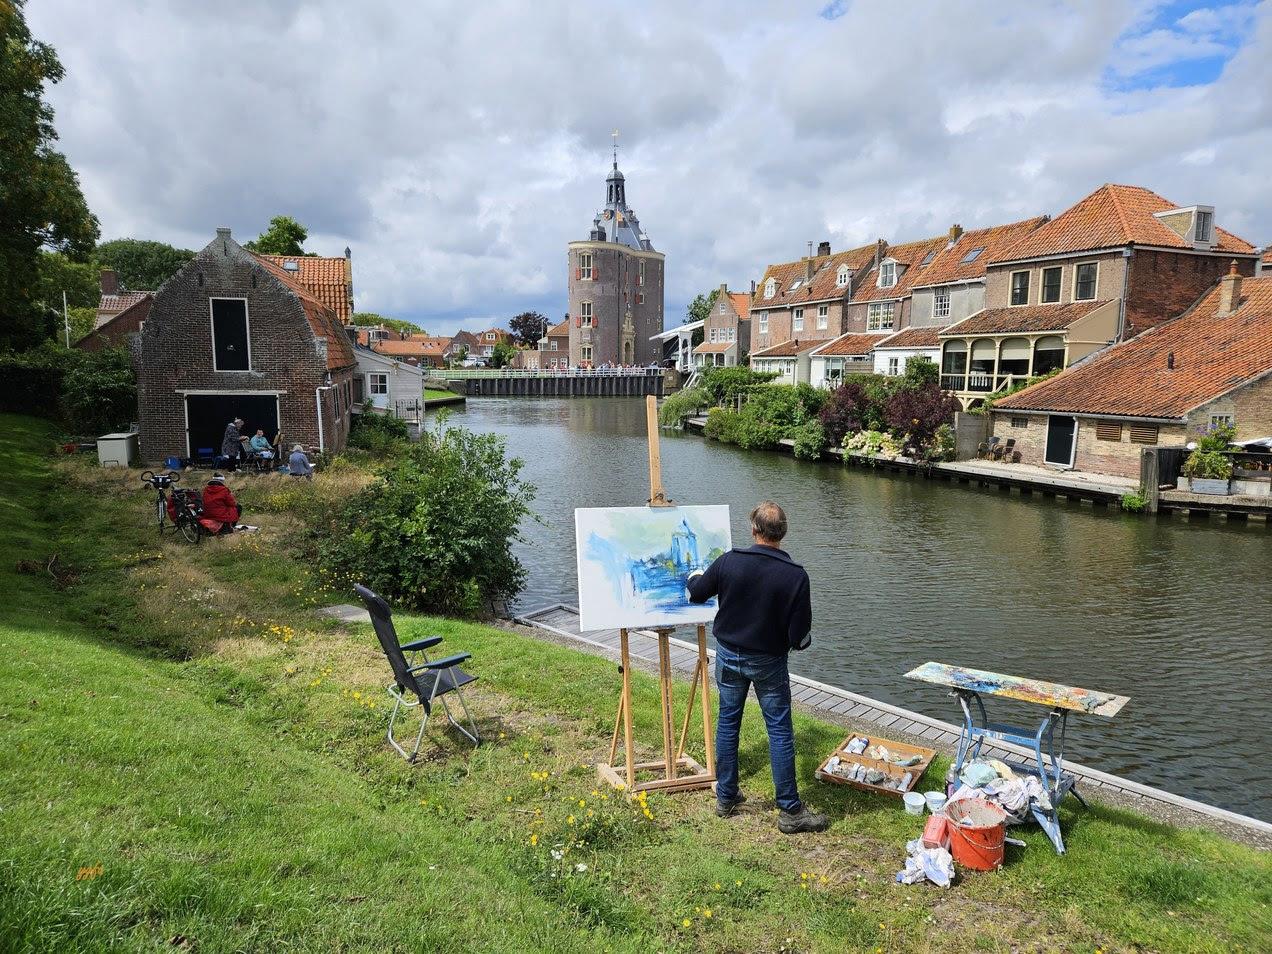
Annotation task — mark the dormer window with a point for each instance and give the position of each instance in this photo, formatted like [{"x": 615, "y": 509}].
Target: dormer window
[
  {"x": 927, "y": 259},
  {"x": 1204, "y": 227},
  {"x": 841, "y": 277},
  {"x": 887, "y": 274},
  {"x": 770, "y": 288}
]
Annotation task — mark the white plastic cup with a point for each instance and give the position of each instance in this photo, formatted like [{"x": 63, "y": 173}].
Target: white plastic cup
[
  {"x": 935, "y": 801},
  {"x": 914, "y": 803}
]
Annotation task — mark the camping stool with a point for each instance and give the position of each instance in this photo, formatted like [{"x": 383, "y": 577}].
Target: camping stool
[{"x": 427, "y": 681}]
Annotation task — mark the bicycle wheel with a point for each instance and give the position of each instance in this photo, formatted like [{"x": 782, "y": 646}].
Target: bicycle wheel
[
  {"x": 161, "y": 510},
  {"x": 190, "y": 529}
]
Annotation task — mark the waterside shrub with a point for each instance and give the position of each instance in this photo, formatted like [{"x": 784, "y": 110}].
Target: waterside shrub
[
  {"x": 682, "y": 404},
  {"x": 723, "y": 385},
  {"x": 380, "y": 435},
  {"x": 1208, "y": 461},
  {"x": 873, "y": 444},
  {"x": 435, "y": 531},
  {"x": 773, "y": 411},
  {"x": 810, "y": 440}
]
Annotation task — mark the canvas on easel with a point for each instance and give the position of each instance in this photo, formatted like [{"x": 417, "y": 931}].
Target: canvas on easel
[{"x": 633, "y": 566}]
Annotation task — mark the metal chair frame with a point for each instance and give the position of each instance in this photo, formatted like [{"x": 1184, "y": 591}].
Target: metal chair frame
[{"x": 402, "y": 701}]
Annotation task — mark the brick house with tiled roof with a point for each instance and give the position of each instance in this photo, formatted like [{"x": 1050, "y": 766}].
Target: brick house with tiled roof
[
  {"x": 952, "y": 285},
  {"x": 805, "y": 298},
  {"x": 1212, "y": 363},
  {"x": 233, "y": 334},
  {"x": 423, "y": 352},
  {"x": 330, "y": 280},
  {"x": 726, "y": 331},
  {"x": 1123, "y": 243},
  {"x": 120, "y": 328},
  {"x": 880, "y": 299}
]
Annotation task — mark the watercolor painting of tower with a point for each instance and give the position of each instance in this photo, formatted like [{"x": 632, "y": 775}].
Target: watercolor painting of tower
[{"x": 633, "y": 563}]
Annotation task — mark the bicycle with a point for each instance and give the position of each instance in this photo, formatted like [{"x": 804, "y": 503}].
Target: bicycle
[{"x": 181, "y": 509}]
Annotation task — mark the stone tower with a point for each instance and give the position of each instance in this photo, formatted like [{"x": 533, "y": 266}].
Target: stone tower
[{"x": 616, "y": 286}]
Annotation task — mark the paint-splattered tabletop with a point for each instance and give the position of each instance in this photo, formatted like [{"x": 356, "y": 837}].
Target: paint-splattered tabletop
[{"x": 1017, "y": 687}]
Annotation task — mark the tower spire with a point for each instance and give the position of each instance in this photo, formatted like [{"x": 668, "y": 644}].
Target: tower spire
[{"x": 615, "y": 137}]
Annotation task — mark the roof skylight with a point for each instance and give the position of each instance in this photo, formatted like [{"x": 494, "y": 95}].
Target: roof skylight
[{"x": 972, "y": 256}]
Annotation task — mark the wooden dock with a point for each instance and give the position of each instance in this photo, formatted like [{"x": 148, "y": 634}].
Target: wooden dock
[{"x": 841, "y": 705}]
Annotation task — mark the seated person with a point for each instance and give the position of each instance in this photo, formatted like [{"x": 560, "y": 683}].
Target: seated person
[
  {"x": 261, "y": 446},
  {"x": 298, "y": 464},
  {"x": 221, "y": 511}
]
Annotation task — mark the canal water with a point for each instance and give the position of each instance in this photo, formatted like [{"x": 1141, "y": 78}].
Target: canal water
[{"x": 1176, "y": 615}]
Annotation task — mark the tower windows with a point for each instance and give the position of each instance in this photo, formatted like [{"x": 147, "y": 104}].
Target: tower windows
[
  {"x": 585, "y": 266},
  {"x": 640, "y": 272},
  {"x": 585, "y": 313}
]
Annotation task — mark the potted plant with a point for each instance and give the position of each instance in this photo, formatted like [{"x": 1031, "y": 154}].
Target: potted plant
[{"x": 1209, "y": 468}]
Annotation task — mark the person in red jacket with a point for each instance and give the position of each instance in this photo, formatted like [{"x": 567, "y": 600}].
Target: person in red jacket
[{"x": 220, "y": 510}]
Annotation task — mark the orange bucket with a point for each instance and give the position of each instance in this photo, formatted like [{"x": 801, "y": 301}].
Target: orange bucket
[{"x": 977, "y": 829}]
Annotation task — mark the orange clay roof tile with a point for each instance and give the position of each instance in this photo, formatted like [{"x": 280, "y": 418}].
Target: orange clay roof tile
[{"x": 997, "y": 321}]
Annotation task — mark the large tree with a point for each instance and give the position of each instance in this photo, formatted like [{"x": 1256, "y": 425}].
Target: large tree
[
  {"x": 41, "y": 205},
  {"x": 700, "y": 307},
  {"x": 371, "y": 319},
  {"x": 285, "y": 236},
  {"x": 142, "y": 264},
  {"x": 528, "y": 327}
]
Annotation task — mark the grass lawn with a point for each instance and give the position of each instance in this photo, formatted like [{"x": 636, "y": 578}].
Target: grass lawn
[
  {"x": 190, "y": 757},
  {"x": 436, "y": 394}
]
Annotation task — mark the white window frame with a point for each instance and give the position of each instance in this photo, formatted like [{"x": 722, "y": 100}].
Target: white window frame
[
  {"x": 377, "y": 378},
  {"x": 585, "y": 352},
  {"x": 841, "y": 277},
  {"x": 763, "y": 319},
  {"x": 940, "y": 303},
  {"x": 770, "y": 288},
  {"x": 1011, "y": 287},
  {"x": 1217, "y": 419},
  {"x": 722, "y": 305},
  {"x": 875, "y": 313},
  {"x": 585, "y": 313},
  {"x": 1209, "y": 237},
  {"x": 1042, "y": 284},
  {"x": 585, "y": 266},
  {"x": 491, "y": 336},
  {"x": 823, "y": 317},
  {"x": 640, "y": 272},
  {"x": 894, "y": 366},
  {"x": 1095, "y": 285},
  {"x": 247, "y": 319},
  {"x": 887, "y": 274},
  {"x": 797, "y": 320}
]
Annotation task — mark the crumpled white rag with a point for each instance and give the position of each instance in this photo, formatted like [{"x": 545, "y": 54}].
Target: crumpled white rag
[{"x": 926, "y": 864}]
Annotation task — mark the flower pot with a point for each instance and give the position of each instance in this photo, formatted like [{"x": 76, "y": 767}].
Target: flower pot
[{"x": 1209, "y": 485}]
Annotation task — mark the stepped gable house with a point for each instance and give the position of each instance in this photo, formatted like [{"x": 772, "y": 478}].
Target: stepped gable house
[
  {"x": 615, "y": 287},
  {"x": 236, "y": 334}
]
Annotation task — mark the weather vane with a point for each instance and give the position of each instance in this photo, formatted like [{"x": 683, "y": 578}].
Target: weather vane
[{"x": 615, "y": 135}]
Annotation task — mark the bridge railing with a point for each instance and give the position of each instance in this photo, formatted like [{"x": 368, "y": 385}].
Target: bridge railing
[{"x": 464, "y": 374}]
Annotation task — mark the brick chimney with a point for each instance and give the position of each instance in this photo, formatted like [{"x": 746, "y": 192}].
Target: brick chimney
[
  {"x": 110, "y": 282},
  {"x": 1229, "y": 292},
  {"x": 823, "y": 248},
  {"x": 808, "y": 270},
  {"x": 724, "y": 289},
  {"x": 956, "y": 231},
  {"x": 880, "y": 248}
]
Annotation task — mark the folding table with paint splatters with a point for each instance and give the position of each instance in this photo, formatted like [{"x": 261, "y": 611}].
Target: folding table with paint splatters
[{"x": 971, "y": 685}]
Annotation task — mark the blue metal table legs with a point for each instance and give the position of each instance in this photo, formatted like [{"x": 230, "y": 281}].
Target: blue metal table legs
[{"x": 1049, "y": 768}]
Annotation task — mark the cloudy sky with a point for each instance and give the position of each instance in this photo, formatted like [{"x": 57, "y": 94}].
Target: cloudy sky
[{"x": 457, "y": 147}]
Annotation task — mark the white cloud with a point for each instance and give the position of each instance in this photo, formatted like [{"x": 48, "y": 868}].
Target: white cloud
[{"x": 457, "y": 151}]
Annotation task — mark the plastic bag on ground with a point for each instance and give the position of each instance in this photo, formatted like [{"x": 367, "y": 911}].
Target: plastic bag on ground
[{"x": 926, "y": 864}]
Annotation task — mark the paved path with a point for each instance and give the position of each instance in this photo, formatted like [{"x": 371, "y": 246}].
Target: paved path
[{"x": 841, "y": 705}]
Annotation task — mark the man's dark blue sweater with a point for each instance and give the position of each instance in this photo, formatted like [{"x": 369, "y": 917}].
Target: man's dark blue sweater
[{"x": 764, "y": 600}]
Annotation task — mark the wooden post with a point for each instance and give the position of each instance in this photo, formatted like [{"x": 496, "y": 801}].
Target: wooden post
[
  {"x": 708, "y": 737},
  {"x": 629, "y": 744},
  {"x": 657, "y": 496}
]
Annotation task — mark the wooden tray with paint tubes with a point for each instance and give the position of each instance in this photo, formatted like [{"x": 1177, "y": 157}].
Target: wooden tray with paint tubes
[{"x": 893, "y": 772}]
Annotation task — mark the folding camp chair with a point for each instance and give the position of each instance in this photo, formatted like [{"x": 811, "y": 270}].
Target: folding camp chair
[{"x": 427, "y": 680}]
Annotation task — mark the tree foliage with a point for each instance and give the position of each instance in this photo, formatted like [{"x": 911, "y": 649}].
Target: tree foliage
[
  {"x": 89, "y": 392},
  {"x": 140, "y": 263},
  {"x": 723, "y": 384},
  {"x": 285, "y": 236},
  {"x": 700, "y": 308},
  {"x": 916, "y": 414},
  {"x": 56, "y": 274},
  {"x": 371, "y": 319},
  {"x": 528, "y": 327},
  {"x": 501, "y": 355},
  {"x": 435, "y": 532},
  {"x": 41, "y": 205}
]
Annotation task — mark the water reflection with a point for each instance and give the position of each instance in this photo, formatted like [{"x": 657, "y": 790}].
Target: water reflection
[{"x": 1173, "y": 614}]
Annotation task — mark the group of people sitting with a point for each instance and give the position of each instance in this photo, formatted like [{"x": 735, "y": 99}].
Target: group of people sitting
[{"x": 235, "y": 447}]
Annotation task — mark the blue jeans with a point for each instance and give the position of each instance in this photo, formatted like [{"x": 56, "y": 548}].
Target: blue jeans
[{"x": 736, "y": 672}]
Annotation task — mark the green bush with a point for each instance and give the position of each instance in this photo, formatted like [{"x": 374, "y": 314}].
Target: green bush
[
  {"x": 1135, "y": 501},
  {"x": 435, "y": 531},
  {"x": 722, "y": 425},
  {"x": 723, "y": 385},
  {"x": 810, "y": 440},
  {"x": 380, "y": 435},
  {"x": 89, "y": 392},
  {"x": 682, "y": 404}
]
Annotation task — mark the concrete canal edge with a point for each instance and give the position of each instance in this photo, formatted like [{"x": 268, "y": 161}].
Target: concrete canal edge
[{"x": 559, "y": 623}]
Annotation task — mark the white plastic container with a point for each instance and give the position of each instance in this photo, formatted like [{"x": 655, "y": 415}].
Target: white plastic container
[
  {"x": 914, "y": 803},
  {"x": 935, "y": 801}
]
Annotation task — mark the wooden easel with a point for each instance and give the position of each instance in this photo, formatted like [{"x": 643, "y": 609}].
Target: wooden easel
[{"x": 678, "y": 772}]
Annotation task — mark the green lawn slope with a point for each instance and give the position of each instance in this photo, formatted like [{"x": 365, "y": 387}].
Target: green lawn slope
[{"x": 190, "y": 758}]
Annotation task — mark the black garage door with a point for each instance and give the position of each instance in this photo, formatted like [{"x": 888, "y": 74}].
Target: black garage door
[{"x": 208, "y": 414}]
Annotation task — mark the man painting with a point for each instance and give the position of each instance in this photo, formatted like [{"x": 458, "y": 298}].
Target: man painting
[{"x": 765, "y": 612}]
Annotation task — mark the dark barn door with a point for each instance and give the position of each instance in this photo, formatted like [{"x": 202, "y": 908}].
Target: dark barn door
[
  {"x": 1060, "y": 434},
  {"x": 208, "y": 414}
]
